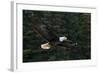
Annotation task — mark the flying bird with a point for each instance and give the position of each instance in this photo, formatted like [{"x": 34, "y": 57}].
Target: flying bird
[{"x": 48, "y": 34}]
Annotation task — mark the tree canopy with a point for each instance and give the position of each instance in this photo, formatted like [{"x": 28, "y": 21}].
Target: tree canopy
[{"x": 75, "y": 26}]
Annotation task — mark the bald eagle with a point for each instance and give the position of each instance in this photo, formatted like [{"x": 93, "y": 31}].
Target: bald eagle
[{"x": 48, "y": 34}]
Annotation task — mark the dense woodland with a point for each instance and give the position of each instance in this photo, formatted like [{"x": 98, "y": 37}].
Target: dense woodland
[{"x": 75, "y": 26}]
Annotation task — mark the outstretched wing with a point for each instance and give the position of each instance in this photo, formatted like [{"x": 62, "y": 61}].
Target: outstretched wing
[
  {"x": 48, "y": 35},
  {"x": 44, "y": 31}
]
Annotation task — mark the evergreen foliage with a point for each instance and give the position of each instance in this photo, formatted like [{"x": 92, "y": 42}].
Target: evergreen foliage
[{"x": 75, "y": 26}]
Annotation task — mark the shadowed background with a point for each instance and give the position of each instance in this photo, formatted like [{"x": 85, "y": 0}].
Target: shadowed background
[{"x": 75, "y": 26}]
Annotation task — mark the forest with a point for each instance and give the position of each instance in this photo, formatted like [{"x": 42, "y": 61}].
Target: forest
[{"x": 75, "y": 26}]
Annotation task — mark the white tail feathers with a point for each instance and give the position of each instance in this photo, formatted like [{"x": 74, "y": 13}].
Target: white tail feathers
[{"x": 45, "y": 46}]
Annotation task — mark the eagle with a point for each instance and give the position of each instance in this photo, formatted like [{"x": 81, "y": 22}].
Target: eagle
[{"x": 48, "y": 34}]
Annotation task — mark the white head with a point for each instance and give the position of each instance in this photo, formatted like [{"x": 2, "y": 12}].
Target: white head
[{"x": 61, "y": 39}]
